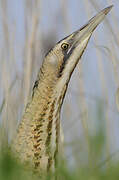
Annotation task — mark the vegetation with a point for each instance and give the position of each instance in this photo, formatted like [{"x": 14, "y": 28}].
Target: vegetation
[
  {"x": 28, "y": 29},
  {"x": 104, "y": 170}
]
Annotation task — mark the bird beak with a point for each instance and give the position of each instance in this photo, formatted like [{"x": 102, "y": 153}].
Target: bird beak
[
  {"x": 96, "y": 20},
  {"x": 82, "y": 36},
  {"x": 78, "y": 42}
]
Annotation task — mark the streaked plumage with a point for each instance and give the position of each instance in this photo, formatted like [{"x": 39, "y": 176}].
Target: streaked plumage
[{"x": 38, "y": 137}]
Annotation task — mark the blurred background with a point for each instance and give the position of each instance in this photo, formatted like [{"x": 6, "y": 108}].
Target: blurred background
[{"x": 90, "y": 116}]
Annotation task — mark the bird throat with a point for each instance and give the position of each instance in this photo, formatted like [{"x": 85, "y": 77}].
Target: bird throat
[{"x": 38, "y": 137}]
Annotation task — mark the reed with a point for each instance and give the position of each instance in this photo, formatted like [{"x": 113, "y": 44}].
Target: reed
[{"x": 27, "y": 31}]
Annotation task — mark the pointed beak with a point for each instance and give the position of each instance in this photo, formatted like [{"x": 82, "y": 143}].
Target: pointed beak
[
  {"x": 84, "y": 33},
  {"x": 78, "y": 42},
  {"x": 96, "y": 20}
]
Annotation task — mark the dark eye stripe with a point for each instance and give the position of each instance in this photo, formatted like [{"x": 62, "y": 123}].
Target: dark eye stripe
[{"x": 66, "y": 57}]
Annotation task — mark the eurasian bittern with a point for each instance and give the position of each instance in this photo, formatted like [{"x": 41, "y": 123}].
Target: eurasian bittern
[{"x": 38, "y": 137}]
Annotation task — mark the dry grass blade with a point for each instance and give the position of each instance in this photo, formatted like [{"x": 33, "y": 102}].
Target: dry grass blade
[
  {"x": 27, "y": 32},
  {"x": 117, "y": 98}
]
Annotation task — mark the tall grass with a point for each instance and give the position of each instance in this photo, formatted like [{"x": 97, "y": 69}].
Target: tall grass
[{"x": 28, "y": 29}]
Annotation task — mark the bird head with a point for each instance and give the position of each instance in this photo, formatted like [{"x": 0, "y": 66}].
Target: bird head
[{"x": 62, "y": 59}]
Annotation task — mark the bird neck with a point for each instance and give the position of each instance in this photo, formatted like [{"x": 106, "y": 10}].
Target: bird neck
[
  {"x": 38, "y": 135},
  {"x": 48, "y": 102}
]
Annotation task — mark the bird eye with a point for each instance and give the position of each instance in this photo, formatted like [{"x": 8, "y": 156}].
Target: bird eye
[{"x": 64, "y": 46}]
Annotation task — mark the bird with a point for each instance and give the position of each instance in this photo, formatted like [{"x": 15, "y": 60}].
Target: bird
[{"x": 38, "y": 136}]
